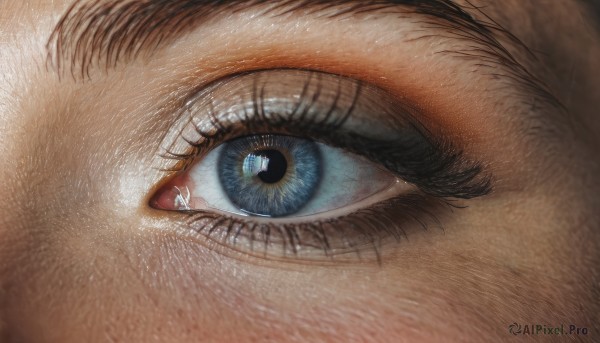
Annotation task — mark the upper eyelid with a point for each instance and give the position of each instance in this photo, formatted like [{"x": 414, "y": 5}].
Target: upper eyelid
[{"x": 400, "y": 122}]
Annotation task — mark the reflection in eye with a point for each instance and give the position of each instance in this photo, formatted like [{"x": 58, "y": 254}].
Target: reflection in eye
[{"x": 310, "y": 162}]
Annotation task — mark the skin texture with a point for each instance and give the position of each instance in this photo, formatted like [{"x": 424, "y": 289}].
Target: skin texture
[{"x": 83, "y": 257}]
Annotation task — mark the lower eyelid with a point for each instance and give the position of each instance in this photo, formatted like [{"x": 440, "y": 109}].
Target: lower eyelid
[{"x": 363, "y": 235}]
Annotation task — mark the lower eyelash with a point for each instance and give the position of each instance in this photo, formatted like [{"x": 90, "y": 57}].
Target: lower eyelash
[{"x": 357, "y": 235}]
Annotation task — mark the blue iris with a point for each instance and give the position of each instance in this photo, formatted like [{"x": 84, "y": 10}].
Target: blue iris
[{"x": 269, "y": 175}]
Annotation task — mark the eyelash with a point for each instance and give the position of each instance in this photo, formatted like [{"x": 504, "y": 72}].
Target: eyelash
[
  {"x": 440, "y": 172},
  {"x": 395, "y": 216}
]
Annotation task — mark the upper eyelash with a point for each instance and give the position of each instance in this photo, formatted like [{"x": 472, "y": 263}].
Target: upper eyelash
[
  {"x": 451, "y": 176},
  {"x": 448, "y": 173},
  {"x": 251, "y": 123}
]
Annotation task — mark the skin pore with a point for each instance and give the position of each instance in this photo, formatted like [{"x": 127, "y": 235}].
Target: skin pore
[{"x": 85, "y": 257}]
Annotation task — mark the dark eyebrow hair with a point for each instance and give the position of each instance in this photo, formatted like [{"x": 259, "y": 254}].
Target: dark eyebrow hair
[
  {"x": 106, "y": 32},
  {"x": 593, "y": 7}
]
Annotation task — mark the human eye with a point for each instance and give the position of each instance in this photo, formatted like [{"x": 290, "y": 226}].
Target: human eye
[{"x": 305, "y": 164}]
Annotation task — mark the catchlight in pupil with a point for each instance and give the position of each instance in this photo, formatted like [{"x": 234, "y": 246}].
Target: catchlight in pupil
[{"x": 269, "y": 165}]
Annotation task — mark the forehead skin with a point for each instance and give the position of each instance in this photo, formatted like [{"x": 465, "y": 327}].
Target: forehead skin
[{"x": 57, "y": 289}]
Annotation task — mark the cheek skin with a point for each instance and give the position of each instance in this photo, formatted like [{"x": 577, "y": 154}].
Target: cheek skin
[{"x": 178, "y": 290}]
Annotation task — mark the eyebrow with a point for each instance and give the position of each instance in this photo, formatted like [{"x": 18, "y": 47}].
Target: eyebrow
[
  {"x": 593, "y": 8},
  {"x": 107, "y": 32}
]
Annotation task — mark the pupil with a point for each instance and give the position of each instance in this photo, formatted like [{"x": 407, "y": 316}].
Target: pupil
[{"x": 274, "y": 165}]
